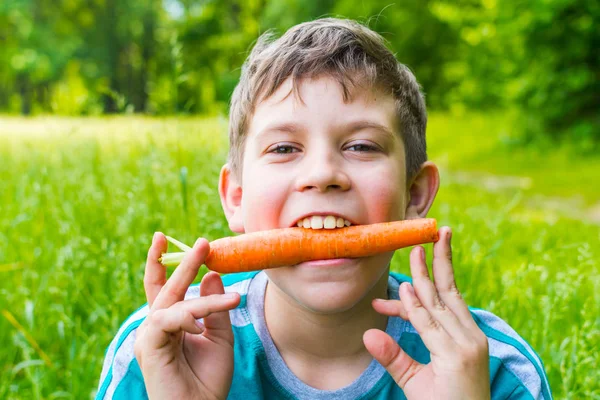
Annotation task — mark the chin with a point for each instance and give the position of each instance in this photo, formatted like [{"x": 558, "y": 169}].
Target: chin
[
  {"x": 331, "y": 300},
  {"x": 328, "y": 290}
]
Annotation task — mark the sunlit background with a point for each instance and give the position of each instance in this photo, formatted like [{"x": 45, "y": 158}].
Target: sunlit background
[{"x": 113, "y": 125}]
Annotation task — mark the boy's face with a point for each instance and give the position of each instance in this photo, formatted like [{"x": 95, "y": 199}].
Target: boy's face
[{"x": 321, "y": 156}]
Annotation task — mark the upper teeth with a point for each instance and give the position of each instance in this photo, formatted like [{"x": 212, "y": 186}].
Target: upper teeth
[{"x": 320, "y": 222}]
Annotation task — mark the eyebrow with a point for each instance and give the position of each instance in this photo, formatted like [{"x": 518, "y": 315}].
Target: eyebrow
[
  {"x": 366, "y": 124},
  {"x": 289, "y": 127}
]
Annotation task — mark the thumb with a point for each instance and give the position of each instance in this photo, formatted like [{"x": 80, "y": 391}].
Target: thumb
[{"x": 388, "y": 353}]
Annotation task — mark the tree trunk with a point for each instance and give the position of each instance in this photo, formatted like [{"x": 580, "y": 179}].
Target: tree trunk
[
  {"x": 147, "y": 47},
  {"x": 113, "y": 50},
  {"x": 24, "y": 88}
]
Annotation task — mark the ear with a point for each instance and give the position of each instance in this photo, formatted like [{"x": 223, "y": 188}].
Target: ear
[
  {"x": 230, "y": 192},
  {"x": 422, "y": 191}
]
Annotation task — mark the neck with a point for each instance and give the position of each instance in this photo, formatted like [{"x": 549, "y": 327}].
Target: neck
[{"x": 323, "y": 338}]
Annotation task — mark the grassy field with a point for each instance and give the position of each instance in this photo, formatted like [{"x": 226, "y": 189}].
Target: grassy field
[{"x": 80, "y": 199}]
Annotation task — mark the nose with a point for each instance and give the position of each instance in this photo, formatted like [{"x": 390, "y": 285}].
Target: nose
[{"x": 322, "y": 172}]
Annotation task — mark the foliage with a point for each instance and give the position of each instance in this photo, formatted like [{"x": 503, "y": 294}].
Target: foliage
[
  {"x": 82, "y": 197},
  {"x": 559, "y": 67},
  {"x": 184, "y": 56}
]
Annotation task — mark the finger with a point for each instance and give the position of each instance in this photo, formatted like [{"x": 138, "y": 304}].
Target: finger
[
  {"x": 443, "y": 273},
  {"x": 213, "y": 285},
  {"x": 155, "y": 274},
  {"x": 430, "y": 329},
  {"x": 203, "y": 307},
  {"x": 392, "y": 308},
  {"x": 183, "y": 316},
  {"x": 429, "y": 297},
  {"x": 162, "y": 323},
  {"x": 388, "y": 353},
  {"x": 174, "y": 290}
]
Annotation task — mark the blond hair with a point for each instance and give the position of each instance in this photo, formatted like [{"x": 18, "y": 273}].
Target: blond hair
[{"x": 349, "y": 52}]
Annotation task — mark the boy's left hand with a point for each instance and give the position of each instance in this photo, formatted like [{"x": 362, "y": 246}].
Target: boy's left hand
[{"x": 459, "y": 366}]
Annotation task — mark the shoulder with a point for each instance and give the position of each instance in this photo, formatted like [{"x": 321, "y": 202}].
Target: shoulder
[
  {"x": 239, "y": 281},
  {"x": 120, "y": 369},
  {"x": 516, "y": 370},
  {"x": 511, "y": 356}
]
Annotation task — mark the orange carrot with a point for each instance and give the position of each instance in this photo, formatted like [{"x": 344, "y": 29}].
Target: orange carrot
[{"x": 290, "y": 246}]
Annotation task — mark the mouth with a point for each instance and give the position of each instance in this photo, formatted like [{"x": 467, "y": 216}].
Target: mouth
[
  {"x": 328, "y": 221},
  {"x": 333, "y": 263},
  {"x": 323, "y": 221}
]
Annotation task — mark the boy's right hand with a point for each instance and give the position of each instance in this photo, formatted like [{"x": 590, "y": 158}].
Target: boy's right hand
[{"x": 180, "y": 358}]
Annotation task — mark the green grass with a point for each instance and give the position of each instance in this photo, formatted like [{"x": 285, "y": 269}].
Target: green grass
[
  {"x": 482, "y": 144},
  {"x": 81, "y": 198}
]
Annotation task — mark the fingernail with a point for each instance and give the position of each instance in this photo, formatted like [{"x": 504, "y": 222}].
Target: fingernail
[
  {"x": 380, "y": 300},
  {"x": 230, "y": 296},
  {"x": 422, "y": 252},
  {"x": 154, "y": 237},
  {"x": 197, "y": 242}
]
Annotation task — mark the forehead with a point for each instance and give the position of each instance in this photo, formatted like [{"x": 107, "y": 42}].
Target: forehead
[{"x": 320, "y": 102}]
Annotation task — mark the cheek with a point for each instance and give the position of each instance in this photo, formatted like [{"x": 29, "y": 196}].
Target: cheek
[
  {"x": 389, "y": 203},
  {"x": 263, "y": 198},
  {"x": 383, "y": 193}
]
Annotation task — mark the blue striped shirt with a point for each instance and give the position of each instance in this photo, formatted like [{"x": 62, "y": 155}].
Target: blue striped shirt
[{"x": 516, "y": 371}]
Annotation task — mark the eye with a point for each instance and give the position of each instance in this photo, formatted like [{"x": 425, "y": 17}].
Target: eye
[
  {"x": 283, "y": 149},
  {"x": 361, "y": 148}
]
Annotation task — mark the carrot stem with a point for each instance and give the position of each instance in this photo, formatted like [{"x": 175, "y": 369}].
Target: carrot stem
[{"x": 180, "y": 245}]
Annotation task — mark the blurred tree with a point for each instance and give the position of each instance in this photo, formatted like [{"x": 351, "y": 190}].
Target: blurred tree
[
  {"x": 121, "y": 44},
  {"x": 281, "y": 15},
  {"x": 558, "y": 74},
  {"x": 37, "y": 43},
  {"x": 421, "y": 40},
  {"x": 214, "y": 38}
]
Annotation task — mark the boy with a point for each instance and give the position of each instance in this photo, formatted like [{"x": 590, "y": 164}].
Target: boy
[{"x": 327, "y": 129}]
